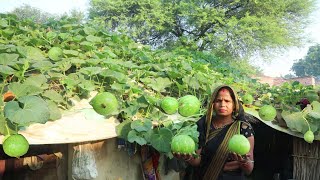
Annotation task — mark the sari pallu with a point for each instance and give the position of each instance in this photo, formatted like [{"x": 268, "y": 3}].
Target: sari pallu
[{"x": 215, "y": 154}]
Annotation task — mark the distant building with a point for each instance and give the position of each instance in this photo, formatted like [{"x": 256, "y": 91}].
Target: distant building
[{"x": 277, "y": 81}]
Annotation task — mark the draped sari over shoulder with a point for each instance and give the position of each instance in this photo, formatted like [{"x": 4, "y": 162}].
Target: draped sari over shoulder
[{"x": 214, "y": 142}]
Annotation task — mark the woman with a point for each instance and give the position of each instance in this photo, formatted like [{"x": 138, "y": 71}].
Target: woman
[{"x": 216, "y": 128}]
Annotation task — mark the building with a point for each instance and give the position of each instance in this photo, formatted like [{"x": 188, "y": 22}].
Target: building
[{"x": 277, "y": 81}]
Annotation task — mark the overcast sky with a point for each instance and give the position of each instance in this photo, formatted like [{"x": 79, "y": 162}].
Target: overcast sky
[{"x": 280, "y": 65}]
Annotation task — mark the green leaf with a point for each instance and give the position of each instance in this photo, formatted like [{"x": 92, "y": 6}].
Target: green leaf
[
  {"x": 191, "y": 81},
  {"x": 71, "y": 80},
  {"x": 8, "y": 59},
  {"x": 94, "y": 39},
  {"x": 3, "y": 23},
  {"x": 91, "y": 70},
  {"x": 51, "y": 35},
  {"x": 6, "y": 70},
  {"x": 109, "y": 53},
  {"x": 89, "y": 30},
  {"x": 123, "y": 129},
  {"x": 27, "y": 110},
  {"x": 316, "y": 106},
  {"x": 132, "y": 109},
  {"x": 159, "y": 84},
  {"x": 18, "y": 89},
  {"x": 148, "y": 135},
  {"x": 152, "y": 100},
  {"x": 161, "y": 140},
  {"x": 87, "y": 85},
  {"x": 42, "y": 65},
  {"x": 142, "y": 101},
  {"x": 70, "y": 53},
  {"x": 38, "y": 80},
  {"x": 118, "y": 87},
  {"x": 120, "y": 77},
  {"x": 32, "y": 53},
  {"x": 64, "y": 36},
  {"x": 133, "y": 136},
  {"x": 295, "y": 121},
  {"x": 54, "y": 110},
  {"x": 141, "y": 126},
  {"x": 53, "y": 95}
]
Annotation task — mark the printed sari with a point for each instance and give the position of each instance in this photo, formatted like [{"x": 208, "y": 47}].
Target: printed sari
[{"x": 214, "y": 143}]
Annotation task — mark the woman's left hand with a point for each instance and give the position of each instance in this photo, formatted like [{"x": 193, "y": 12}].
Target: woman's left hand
[{"x": 244, "y": 161}]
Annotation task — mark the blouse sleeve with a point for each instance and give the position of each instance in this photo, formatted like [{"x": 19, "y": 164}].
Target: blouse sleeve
[{"x": 246, "y": 129}]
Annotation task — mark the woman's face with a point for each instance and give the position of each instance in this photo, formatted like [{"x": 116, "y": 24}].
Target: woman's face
[{"x": 223, "y": 104}]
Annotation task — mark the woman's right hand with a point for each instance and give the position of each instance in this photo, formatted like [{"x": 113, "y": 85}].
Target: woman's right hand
[
  {"x": 192, "y": 159},
  {"x": 185, "y": 157}
]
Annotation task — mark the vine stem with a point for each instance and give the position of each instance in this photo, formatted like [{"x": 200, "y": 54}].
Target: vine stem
[
  {"x": 307, "y": 122},
  {"x": 7, "y": 128},
  {"x": 304, "y": 112}
]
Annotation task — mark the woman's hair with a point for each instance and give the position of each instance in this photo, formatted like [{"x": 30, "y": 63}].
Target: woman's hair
[{"x": 214, "y": 96}]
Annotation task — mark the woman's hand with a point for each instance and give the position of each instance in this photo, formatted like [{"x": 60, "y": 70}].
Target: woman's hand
[
  {"x": 238, "y": 161},
  {"x": 245, "y": 163},
  {"x": 192, "y": 159},
  {"x": 185, "y": 157}
]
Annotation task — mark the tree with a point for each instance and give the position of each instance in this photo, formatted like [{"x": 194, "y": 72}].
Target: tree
[
  {"x": 31, "y": 13},
  {"x": 228, "y": 27},
  {"x": 310, "y": 64},
  {"x": 39, "y": 16}
]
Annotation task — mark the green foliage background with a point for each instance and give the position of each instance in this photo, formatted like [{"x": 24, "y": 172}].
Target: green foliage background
[
  {"x": 228, "y": 28},
  {"x": 142, "y": 52}
]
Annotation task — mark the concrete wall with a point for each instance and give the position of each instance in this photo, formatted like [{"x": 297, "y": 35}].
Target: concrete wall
[
  {"x": 115, "y": 164},
  {"x": 54, "y": 162}
]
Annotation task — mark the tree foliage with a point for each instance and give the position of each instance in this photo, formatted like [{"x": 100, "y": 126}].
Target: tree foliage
[
  {"x": 224, "y": 26},
  {"x": 31, "y": 13},
  {"x": 310, "y": 64},
  {"x": 36, "y": 15}
]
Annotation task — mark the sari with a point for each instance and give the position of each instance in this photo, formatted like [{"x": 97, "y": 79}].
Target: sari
[{"x": 214, "y": 142}]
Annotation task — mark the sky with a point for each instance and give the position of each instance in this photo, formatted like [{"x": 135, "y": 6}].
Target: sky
[
  {"x": 50, "y": 6},
  {"x": 279, "y": 65}
]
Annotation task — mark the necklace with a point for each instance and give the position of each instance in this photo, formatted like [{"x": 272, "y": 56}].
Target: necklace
[{"x": 221, "y": 127}]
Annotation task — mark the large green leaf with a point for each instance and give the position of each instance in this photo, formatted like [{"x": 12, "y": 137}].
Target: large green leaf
[
  {"x": 8, "y": 59},
  {"x": 32, "y": 53},
  {"x": 191, "y": 81},
  {"x": 91, "y": 70},
  {"x": 120, "y": 77},
  {"x": 161, "y": 140},
  {"x": 38, "y": 80},
  {"x": 6, "y": 70},
  {"x": 141, "y": 126},
  {"x": 123, "y": 129},
  {"x": 27, "y": 110},
  {"x": 94, "y": 39},
  {"x": 159, "y": 84},
  {"x": 55, "y": 112},
  {"x": 19, "y": 89},
  {"x": 53, "y": 95},
  {"x": 295, "y": 121},
  {"x": 134, "y": 136}
]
